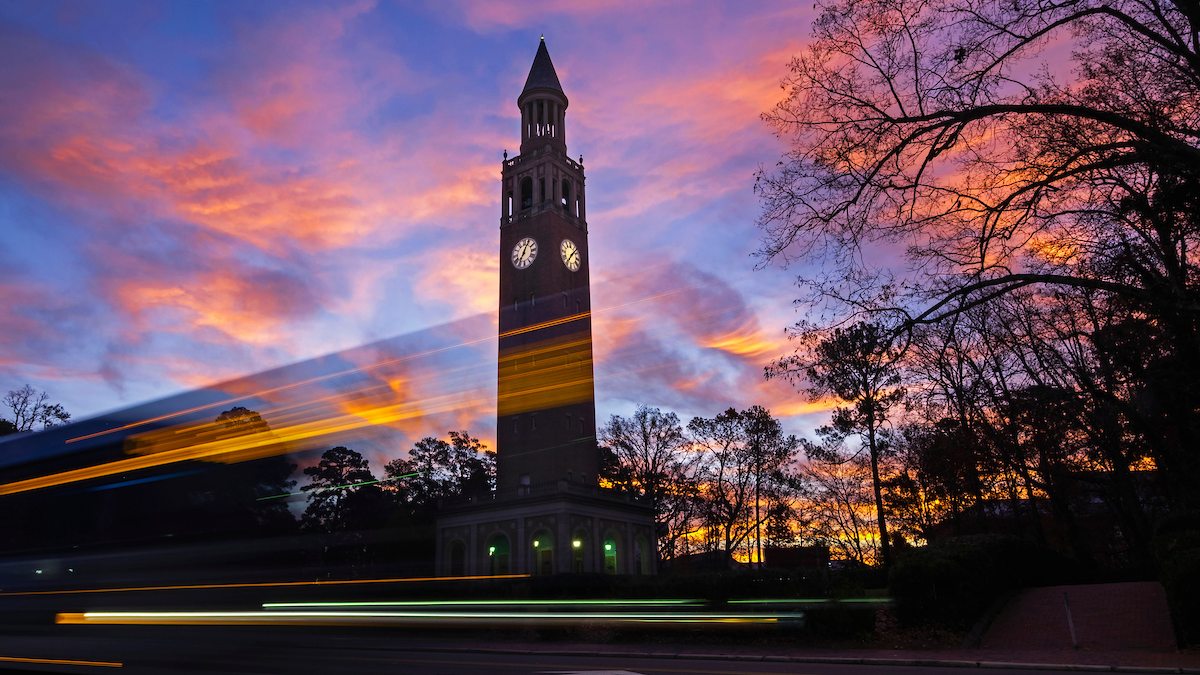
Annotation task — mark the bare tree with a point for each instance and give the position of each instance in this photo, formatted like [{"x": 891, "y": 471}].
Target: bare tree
[
  {"x": 857, "y": 365},
  {"x": 654, "y": 459},
  {"x": 743, "y": 456},
  {"x": 835, "y": 491},
  {"x": 929, "y": 131},
  {"x": 30, "y": 407}
]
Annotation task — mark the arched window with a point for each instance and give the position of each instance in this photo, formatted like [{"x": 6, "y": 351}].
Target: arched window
[
  {"x": 498, "y": 554},
  {"x": 565, "y": 197},
  {"x": 543, "y": 552},
  {"x": 458, "y": 558},
  {"x": 610, "y": 554},
  {"x": 526, "y": 192}
]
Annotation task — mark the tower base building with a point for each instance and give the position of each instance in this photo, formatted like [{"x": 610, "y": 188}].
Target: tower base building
[{"x": 567, "y": 530}]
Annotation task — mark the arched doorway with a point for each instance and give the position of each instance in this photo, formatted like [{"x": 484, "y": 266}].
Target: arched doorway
[
  {"x": 610, "y": 554},
  {"x": 458, "y": 558},
  {"x": 543, "y": 552},
  {"x": 498, "y": 554}
]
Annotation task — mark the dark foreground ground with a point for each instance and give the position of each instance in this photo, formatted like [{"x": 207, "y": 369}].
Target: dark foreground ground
[
  {"x": 258, "y": 649},
  {"x": 398, "y": 649},
  {"x": 238, "y": 630}
]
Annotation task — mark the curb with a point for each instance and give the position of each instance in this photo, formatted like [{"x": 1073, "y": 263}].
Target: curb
[{"x": 832, "y": 660}]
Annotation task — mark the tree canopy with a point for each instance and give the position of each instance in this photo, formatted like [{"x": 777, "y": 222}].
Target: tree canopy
[
  {"x": 437, "y": 469},
  {"x": 343, "y": 494}
]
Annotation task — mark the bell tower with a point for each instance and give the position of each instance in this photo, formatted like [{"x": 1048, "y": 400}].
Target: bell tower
[
  {"x": 546, "y": 413},
  {"x": 549, "y": 514}
]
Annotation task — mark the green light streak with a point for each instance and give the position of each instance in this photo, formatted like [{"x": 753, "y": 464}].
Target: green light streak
[
  {"x": 338, "y": 487},
  {"x": 491, "y": 603},
  {"x": 813, "y": 601}
]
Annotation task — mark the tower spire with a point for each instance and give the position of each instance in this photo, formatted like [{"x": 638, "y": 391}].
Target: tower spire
[
  {"x": 543, "y": 106},
  {"x": 542, "y": 74}
]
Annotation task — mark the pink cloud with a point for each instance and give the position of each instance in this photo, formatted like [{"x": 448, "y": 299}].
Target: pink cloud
[
  {"x": 687, "y": 340},
  {"x": 509, "y": 14}
]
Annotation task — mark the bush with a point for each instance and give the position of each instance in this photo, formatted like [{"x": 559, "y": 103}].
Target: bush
[
  {"x": 949, "y": 584},
  {"x": 1177, "y": 547}
]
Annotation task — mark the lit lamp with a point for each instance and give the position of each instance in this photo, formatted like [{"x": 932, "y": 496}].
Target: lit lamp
[
  {"x": 491, "y": 550},
  {"x": 575, "y": 543}
]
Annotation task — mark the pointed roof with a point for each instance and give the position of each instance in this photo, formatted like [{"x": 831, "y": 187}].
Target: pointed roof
[{"x": 541, "y": 74}]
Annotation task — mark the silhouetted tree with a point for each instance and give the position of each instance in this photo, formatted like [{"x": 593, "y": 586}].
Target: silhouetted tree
[
  {"x": 935, "y": 477},
  {"x": 770, "y": 450},
  {"x": 29, "y": 407},
  {"x": 927, "y": 130},
  {"x": 858, "y": 366},
  {"x": 437, "y": 469},
  {"x": 343, "y": 494},
  {"x": 743, "y": 453},
  {"x": 649, "y": 455},
  {"x": 836, "y": 501}
]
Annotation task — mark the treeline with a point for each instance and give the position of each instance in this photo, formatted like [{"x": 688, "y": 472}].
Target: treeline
[
  {"x": 1052, "y": 418},
  {"x": 723, "y": 485}
]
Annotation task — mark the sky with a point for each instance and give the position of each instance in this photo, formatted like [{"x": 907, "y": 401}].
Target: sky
[{"x": 192, "y": 192}]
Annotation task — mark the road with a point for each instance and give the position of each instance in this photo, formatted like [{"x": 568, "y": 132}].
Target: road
[{"x": 273, "y": 649}]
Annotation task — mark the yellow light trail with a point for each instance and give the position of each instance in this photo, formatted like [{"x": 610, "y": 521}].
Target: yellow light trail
[
  {"x": 278, "y": 618},
  {"x": 61, "y": 662},
  {"x": 552, "y": 384},
  {"x": 161, "y": 447},
  {"x": 266, "y": 584},
  {"x": 245, "y": 446},
  {"x": 341, "y": 373},
  {"x": 350, "y": 371}
]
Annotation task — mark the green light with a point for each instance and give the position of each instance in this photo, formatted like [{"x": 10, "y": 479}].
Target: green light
[
  {"x": 491, "y": 550},
  {"x": 608, "y": 547}
]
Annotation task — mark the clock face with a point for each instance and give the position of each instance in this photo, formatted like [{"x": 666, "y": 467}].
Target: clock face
[
  {"x": 570, "y": 255},
  {"x": 524, "y": 253}
]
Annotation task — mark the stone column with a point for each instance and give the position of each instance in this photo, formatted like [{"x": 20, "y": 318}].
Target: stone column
[
  {"x": 440, "y": 566},
  {"x": 519, "y": 550},
  {"x": 473, "y": 561}
]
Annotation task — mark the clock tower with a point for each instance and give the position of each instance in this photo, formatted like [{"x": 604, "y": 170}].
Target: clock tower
[
  {"x": 546, "y": 412},
  {"x": 549, "y": 514}
]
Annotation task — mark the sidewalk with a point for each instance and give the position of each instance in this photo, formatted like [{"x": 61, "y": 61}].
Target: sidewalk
[{"x": 1115, "y": 617}]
